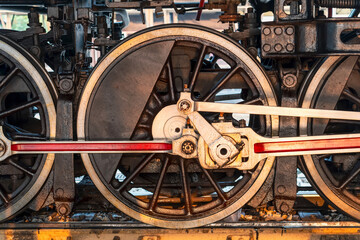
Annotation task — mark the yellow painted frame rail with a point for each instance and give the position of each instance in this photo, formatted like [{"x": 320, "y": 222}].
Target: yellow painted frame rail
[{"x": 217, "y": 231}]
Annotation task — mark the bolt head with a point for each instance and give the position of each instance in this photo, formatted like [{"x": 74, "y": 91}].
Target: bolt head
[
  {"x": 284, "y": 207},
  {"x": 266, "y": 31},
  {"x": 290, "y": 80},
  {"x": 278, "y": 47},
  {"x": 188, "y": 147},
  {"x": 184, "y": 106},
  {"x": 66, "y": 85},
  {"x": 278, "y": 30},
  {"x": 63, "y": 210},
  {"x": 290, "y": 47},
  {"x": 289, "y": 30},
  {"x": 281, "y": 189},
  {"x": 266, "y": 47}
]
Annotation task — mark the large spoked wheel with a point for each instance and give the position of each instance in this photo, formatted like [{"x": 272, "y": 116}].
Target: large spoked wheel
[
  {"x": 334, "y": 84},
  {"x": 27, "y": 112},
  {"x": 127, "y": 90}
]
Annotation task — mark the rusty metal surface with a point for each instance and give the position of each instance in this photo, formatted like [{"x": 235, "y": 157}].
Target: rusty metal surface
[{"x": 219, "y": 225}]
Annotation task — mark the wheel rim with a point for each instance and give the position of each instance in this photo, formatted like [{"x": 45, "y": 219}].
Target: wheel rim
[
  {"x": 186, "y": 35},
  {"x": 25, "y": 82},
  {"x": 329, "y": 173}
]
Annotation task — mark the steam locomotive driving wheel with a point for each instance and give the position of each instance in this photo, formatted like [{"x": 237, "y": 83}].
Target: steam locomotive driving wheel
[
  {"x": 126, "y": 97},
  {"x": 27, "y": 112},
  {"x": 334, "y": 84}
]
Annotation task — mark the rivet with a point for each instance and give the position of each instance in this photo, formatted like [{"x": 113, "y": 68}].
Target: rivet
[
  {"x": 289, "y": 30},
  {"x": 278, "y": 47},
  {"x": 284, "y": 207},
  {"x": 281, "y": 189},
  {"x": 266, "y": 31},
  {"x": 278, "y": 30},
  {"x": 290, "y": 47},
  {"x": 266, "y": 47}
]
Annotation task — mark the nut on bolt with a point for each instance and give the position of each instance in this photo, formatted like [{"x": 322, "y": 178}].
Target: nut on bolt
[
  {"x": 66, "y": 85},
  {"x": 266, "y": 31},
  {"x": 284, "y": 207},
  {"x": 184, "y": 106},
  {"x": 278, "y": 47},
  {"x": 188, "y": 147},
  {"x": 289, "y": 30},
  {"x": 266, "y": 47},
  {"x": 281, "y": 189},
  {"x": 278, "y": 30},
  {"x": 290, "y": 47},
  {"x": 63, "y": 210},
  {"x": 290, "y": 80}
]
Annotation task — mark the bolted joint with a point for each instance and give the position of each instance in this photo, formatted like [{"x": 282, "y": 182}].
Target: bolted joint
[
  {"x": 2, "y": 148},
  {"x": 66, "y": 83},
  {"x": 63, "y": 209},
  {"x": 184, "y": 106},
  {"x": 290, "y": 80},
  {"x": 185, "y": 147},
  {"x": 284, "y": 207},
  {"x": 188, "y": 147},
  {"x": 223, "y": 151}
]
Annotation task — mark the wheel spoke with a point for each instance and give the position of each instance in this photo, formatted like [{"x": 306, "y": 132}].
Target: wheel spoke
[
  {"x": 28, "y": 136},
  {"x": 156, "y": 194},
  {"x": 171, "y": 81},
  {"x": 136, "y": 172},
  {"x": 221, "y": 82},
  {"x": 197, "y": 68},
  {"x": 353, "y": 174},
  {"x": 157, "y": 98},
  {"x": 350, "y": 96},
  {"x": 3, "y": 196},
  {"x": 13, "y": 128},
  {"x": 252, "y": 101},
  {"x": 186, "y": 187},
  {"x": 343, "y": 121},
  {"x": 21, "y": 168},
  {"x": 9, "y": 76},
  {"x": 214, "y": 184},
  {"x": 21, "y": 134},
  {"x": 32, "y": 103}
]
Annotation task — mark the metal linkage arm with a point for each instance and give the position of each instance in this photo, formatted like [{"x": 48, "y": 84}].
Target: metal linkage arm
[
  {"x": 91, "y": 147},
  {"x": 279, "y": 111},
  {"x": 258, "y": 147}
]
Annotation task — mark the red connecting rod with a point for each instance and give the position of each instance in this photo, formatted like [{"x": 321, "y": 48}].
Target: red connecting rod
[
  {"x": 307, "y": 145},
  {"x": 91, "y": 147},
  {"x": 153, "y": 146}
]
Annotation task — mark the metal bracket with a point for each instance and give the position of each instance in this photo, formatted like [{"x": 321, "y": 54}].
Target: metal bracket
[
  {"x": 64, "y": 180},
  {"x": 221, "y": 150},
  {"x": 302, "y": 38},
  {"x": 285, "y": 184},
  {"x": 305, "y": 12}
]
